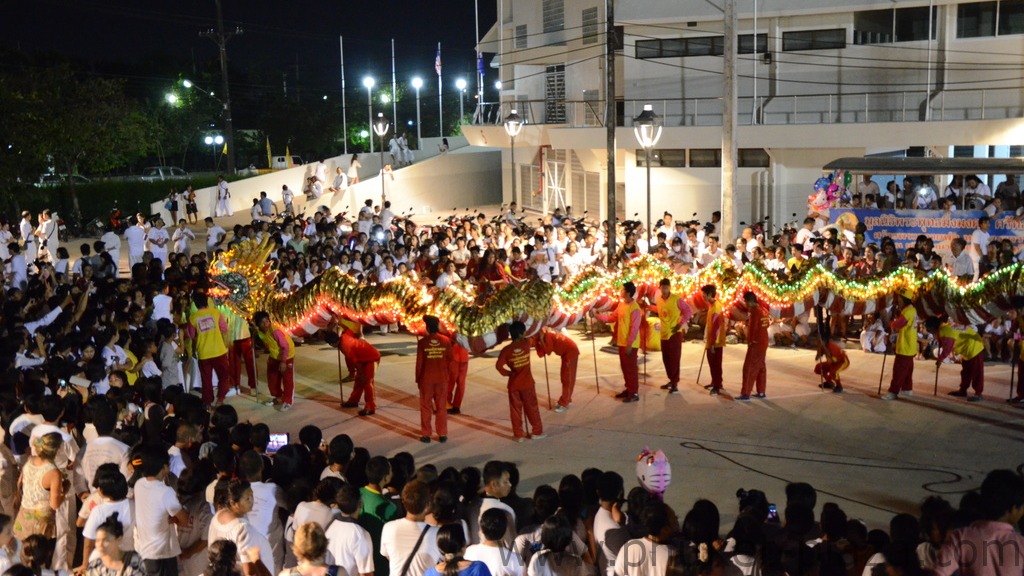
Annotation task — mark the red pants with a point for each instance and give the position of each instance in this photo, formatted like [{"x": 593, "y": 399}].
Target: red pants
[
  {"x": 223, "y": 369},
  {"x": 671, "y": 353},
  {"x": 275, "y": 378},
  {"x": 902, "y": 374},
  {"x": 715, "y": 354},
  {"x": 457, "y": 383},
  {"x": 241, "y": 352},
  {"x": 518, "y": 400},
  {"x": 568, "y": 375},
  {"x": 972, "y": 374},
  {"x": 363, "y": 386},
  {"x": 755, "y": 373},
  {"x": 432, "y": 401},
  {"x": 830, "y": 371},
  {"x": 630, "y": 372}
]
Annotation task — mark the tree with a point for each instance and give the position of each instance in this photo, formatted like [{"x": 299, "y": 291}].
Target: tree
[
  {"x": 20, "y": 163},
  {"x": 84, "y": 124}
]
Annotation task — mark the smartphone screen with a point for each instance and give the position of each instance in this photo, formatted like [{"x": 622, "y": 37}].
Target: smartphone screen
[{"x": 276, "y": 442}]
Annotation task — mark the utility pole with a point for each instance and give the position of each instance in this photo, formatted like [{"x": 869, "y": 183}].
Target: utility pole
[
  {"x": 610, "y": 122},
  {"x": 725, "y": 234},
  {"x": 220, "y": 38}
]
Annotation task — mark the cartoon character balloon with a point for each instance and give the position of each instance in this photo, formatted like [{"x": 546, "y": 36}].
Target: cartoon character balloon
[{"x": 653, "y": 471}]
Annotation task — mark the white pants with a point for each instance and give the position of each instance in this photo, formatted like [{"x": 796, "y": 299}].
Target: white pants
[
  {"x": 67, "y": 540},
  {"x": 872, "y": 341},
  {"x": 223, "y": 208},
  {"x": 133, "y": 259}
]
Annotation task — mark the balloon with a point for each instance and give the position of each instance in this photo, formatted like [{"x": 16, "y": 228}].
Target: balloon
[
  {"x": 847, "y": 178},
  {"x": 653, "y": 471}
]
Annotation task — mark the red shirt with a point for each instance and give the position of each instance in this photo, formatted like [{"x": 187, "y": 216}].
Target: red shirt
[
  {"x": 758, "y": 321},
  {"x": 548, "y": 342},
  {"x": 459, "y": 354},
  {"x": 514, "y": 362},
  {"x": 433, "y": 355},
  {"x": 357, "y": 349},
  {"x": 517, "y": 269}
]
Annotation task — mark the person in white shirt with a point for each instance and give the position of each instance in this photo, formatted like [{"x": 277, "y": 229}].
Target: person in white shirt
[
  {"x": 136, "y": 238},
  {"x": 497, "y": 485},
  {"x": 712, "y": 252},
  {"x": 411, "y": 538},
  {"x": 48, "y": 237},
  {"x": 925, "y": 198},
  {"x": 365, "y": 218},
  {"x": 234, "y": 499},
  {"x": 111, "y": 497},
  {"x": 610, "y": 489},
  {"x": 268, "y": 502},
  {"x": 104, "y": 449},
  {"x": 28, "y": 236},
  {"x": 648, "y": 556},
  {"x": 867, "y": 186},
  {"x": 223, "y": 199},
  {"x": 963, "y": 264},
  {"x": 387, "y": 217},
  {"x": 501, "y": 561},
  {"x": 979, "y": 243},
  {"x": 288, "y": 197},
  {"x": 158, "y": 240},
  {"x": 19, "y": 268},
  {"x": 157, "y": 510},
  {"x": 349, "y": 545},
  {"x": 873, "y": 336},
  {"x": 978, "y": 188},
  {"x": 183, "y": 238},
  {"x": 112, "y": 242},
  {"x": 214, "y": 236}
]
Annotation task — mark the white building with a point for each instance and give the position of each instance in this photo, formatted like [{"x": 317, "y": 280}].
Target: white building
[{"x": 827, "y": 79}]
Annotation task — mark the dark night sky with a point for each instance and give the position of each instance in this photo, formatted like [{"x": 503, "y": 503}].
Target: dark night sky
[{"x": 277, "y": 35}]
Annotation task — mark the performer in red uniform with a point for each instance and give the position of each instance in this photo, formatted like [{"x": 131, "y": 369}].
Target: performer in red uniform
[
  {"x": 758, "y": 318},
  {"x": 550, "y": 341},
  {"x": 833, "y": 361},
  {"x": 457, "y": 378},
  {"x": 514, "y": 363},
  {"x": 627, "y": 318},
  {"x": 364, "y": 358},
  {"x": 714, "y": 337},
  {"x": 433, "y": 359}
]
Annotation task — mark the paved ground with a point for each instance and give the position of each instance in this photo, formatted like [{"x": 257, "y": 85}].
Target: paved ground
[{"x": 874, "y": 458}]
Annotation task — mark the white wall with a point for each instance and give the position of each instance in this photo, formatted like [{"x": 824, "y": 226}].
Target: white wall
[{"x": 243, "y": 191}]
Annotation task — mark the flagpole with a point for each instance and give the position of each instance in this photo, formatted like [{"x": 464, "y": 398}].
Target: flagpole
[
  {"x": 344, "y": 119},
  {"x": 479, "y": 62},
  {"x": 394, "y": 91},
  {"x": 440, "y": 108}
]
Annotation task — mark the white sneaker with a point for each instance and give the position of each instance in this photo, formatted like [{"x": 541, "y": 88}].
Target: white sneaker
[
  {"x": 285, "y": 407},
  {"x": 538, "y": 436},
  {"x": 559, "y": 408},
  {"x": 889, "y": 396},
  {"x": 907, "y": 393}
]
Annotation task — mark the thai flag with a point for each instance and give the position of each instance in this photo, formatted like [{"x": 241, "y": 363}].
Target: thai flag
[{"x": 437, "y": 61}]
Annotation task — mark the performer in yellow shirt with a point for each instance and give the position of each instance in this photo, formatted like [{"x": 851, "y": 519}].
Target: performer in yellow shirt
[
  {"x": 280, "y": 364},
  {"x": 969, "y": 346},
  {"x": 208, "y": 330},
  {"x": 674, "y": 313},
  {"x": 905, "y": 328},
  {"x": 715, "y": 329}
]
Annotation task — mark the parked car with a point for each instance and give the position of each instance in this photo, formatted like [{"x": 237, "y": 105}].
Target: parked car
[
  {"x": 281, "y": 162},
  {"x": 157, "y": 173},
  {"x": 53, "y": 180}
]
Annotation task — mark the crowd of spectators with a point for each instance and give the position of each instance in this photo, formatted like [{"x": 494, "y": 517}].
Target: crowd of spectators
[{"x": 102, "y": 433}]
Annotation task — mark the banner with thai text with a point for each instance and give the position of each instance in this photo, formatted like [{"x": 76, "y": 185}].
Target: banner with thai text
[{"x": 904, "y": 226}]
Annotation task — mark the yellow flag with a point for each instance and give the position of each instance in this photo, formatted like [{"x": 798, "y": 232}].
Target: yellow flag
[
  {"x": 288, "y": 156},
  {"x": 270, "y": 158},
  {"x": 225, "y": 150}
]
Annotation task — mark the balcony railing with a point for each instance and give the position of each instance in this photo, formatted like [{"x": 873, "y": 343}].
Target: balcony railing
[{"x": 898, "y": 106}]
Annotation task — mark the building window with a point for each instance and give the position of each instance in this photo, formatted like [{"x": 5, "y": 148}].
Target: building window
[
  {"x": 814, "y": 40},
  {"x": 663, "y": 158},
  {"x": 590, "y": 26},
  {"x": 680, "y": 47},
  {"x": 705, "y": 158},
  {"x": 521, "y": 36},
  {"x": 1011, "y": 17},
  {"x": 753, "y": 158},
  {"x": 895, "y": 25},
  {"x": 976, "y": 20},
  {"x": 554, "y": 15},
  {"x": 746, "y": 44},
  {"x": 911, "y": 24}
]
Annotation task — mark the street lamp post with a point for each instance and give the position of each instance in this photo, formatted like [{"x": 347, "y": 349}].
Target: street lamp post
[
  {"x": 461, "y": 85},
  {"x": 380, "y": 128},
  {"x": 647, "y": 128},
  {"x": 417, "y": 83},
  {"x": 369, "y": 82},
  {"x": 213, "y": 142},
  {"x": 513, "y": 124}
]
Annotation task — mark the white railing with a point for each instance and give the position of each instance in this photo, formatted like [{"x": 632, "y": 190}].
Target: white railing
[{"x": 849, "y": 108}]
